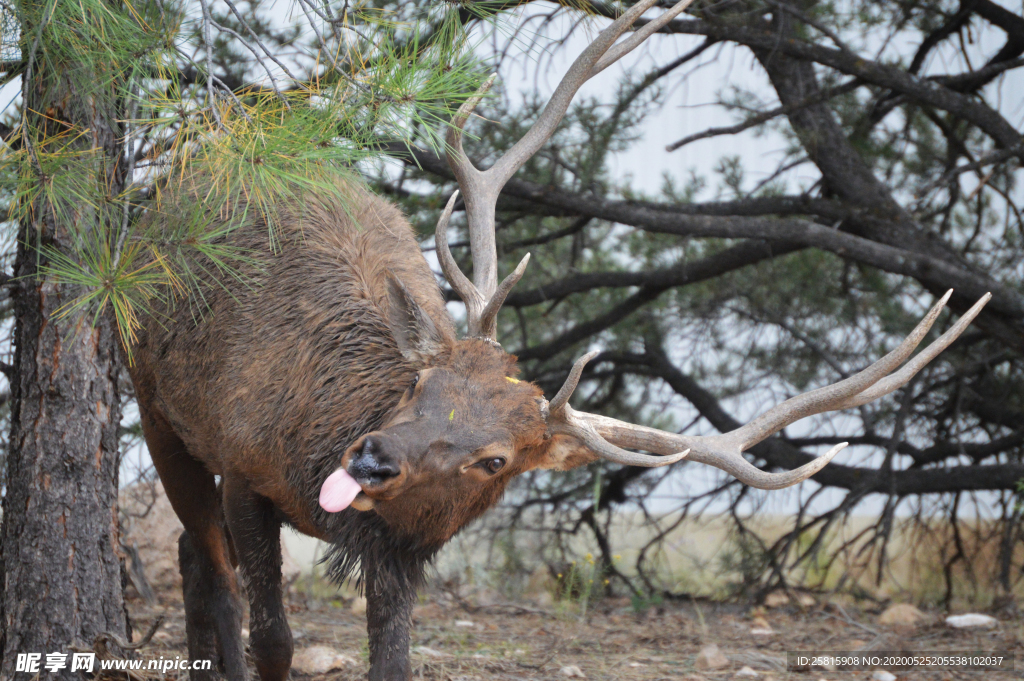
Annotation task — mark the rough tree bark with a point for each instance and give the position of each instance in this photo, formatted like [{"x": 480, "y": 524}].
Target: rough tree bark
[{"x": 62, "y": 564}]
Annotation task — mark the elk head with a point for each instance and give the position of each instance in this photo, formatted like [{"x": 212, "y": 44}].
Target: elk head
[{"x": 467, "y": 425}]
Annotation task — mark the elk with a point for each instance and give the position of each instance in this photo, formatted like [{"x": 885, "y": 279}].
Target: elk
[{"x": 333, "y": 394}]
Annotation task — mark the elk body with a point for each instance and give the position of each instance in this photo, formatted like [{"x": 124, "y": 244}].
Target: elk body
[
  {"x": 329, "y": 391},
  {"x": 285, "y": 376}
]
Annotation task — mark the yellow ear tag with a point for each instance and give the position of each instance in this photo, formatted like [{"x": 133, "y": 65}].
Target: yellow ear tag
[
  {"x": 511, "y": 380},
  {"x": 451, "y": 417}
]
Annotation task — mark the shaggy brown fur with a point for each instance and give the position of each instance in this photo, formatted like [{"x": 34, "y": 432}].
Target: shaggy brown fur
[
  {"x": 299, "y": 361},
  {"x": 275, "y": 379}
]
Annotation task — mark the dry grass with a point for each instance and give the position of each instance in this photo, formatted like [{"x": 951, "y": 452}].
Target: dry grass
[{"x": 701, "y": 557}]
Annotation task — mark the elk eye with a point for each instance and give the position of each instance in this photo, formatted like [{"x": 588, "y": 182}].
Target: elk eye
[
  {"x": 494, "y": 465},
  {"x": 412, "y": 385}
]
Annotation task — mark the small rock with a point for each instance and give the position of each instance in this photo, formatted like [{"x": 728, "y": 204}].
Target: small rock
[
  {"x": 464, "y": 623},
  {"x": 776, "y": 599},
  {"x": 320, "y": 660},
  {"x": 761, "y": 627},
  {"x": 972, "y": 620},
  {"x": 430, "y": 652},
  {"x": 710, "y": 657},
  {"x": 747, "y": 672},
  {"x": 901, "y": 615},
  {"x": 358, "y": 605},
  {"x": 882, "y": 675},
  {"x": 637, "y": 664},
  {"x": 572, "y": 671},
  {"x": 806, "y": 600}
]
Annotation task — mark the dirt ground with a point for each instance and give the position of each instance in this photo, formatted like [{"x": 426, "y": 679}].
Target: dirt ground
[{"x": 456, "y": 638}]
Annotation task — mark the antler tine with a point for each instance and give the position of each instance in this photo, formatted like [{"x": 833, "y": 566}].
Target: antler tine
[
  {"x": 561, "y": 398},
  {"x": 565, "y": 420},
  {"x": 910, "y": 369},
  {"x": 482, "y": 314},
  {"x": 480, "y": 196},
  {"x": 726, "y": 451},
  {"x": 709, "y": 450},
  {"x": 831, "y": 397},
  {"x": 579, "y": 73},
  {"x": 457, "y": 159},
  {"x": 628, "y": 45},
  {"x": 569, "y": 422},
  {"x": 458, "y": 281},
  {"x": 488, "y": 322},
  {"x": 734, "y": 464}
]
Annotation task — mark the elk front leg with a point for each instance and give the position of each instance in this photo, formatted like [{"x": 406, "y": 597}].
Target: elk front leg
[
  {"x": 213, "y": 609},
  {"x": 257, "y": 540},
  {"x": 390, "y": 595},
  {"x": 213, "y": 613}
]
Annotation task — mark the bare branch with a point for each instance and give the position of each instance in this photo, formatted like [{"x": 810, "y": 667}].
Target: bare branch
[
  {"x": 924, "y": 90},
  {"x": 991, "y": 158},
  {"x": 760, "y": 118}
]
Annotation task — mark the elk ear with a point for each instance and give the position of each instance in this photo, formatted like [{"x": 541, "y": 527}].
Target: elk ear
[
  {"x": 561, "y": 453},
  {"x": 415, "y": 332}
]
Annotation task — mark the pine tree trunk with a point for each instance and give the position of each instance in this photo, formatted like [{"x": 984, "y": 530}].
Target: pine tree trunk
[{"x": 61, "y": 558}]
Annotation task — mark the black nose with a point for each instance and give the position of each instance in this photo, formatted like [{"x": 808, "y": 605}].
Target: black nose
[{"x": 371, "y": 464}]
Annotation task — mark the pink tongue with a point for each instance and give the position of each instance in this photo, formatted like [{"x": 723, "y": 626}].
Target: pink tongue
[{"x": 338, "y": 491}]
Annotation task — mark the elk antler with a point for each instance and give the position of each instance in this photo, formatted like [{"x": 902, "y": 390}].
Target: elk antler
[
  {"x": 604, "y": 435},
  {"x": 483, "y": 296}
]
